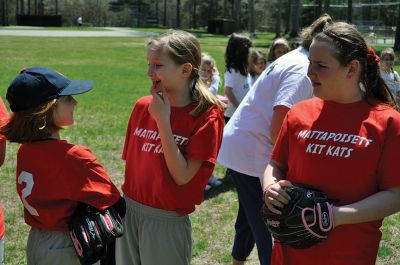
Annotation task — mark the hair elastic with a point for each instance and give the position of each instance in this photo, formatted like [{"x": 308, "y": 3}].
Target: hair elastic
[{"x": 372, "y": 56}]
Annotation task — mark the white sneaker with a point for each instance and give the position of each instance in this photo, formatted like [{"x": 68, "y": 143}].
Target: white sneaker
[
  {"x": 213, "y": 181},
  {"x": 208, "y": 187}
]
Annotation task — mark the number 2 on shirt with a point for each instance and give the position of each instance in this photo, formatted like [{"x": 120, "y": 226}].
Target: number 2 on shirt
[{"x": 28, "y": 179}]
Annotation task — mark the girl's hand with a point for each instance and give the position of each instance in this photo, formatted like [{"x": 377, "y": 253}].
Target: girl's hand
[
  {"x": 275, "y": 196},
  {"x": 214, "y": 71},
  {"x": 159, "y": 107}
]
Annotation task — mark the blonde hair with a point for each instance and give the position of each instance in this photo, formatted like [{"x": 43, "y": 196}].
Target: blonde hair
[
  {"x": 32, "y": 124},
  {"x": 183, "y": 47},
  {"x": 388, "y": 52},
  {"x": 206, "y": 59}
]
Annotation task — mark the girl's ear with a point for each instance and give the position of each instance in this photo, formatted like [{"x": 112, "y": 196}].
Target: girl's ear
[
  {"x": 354, "y": 69},
  {"x": 187, "y": 69}
]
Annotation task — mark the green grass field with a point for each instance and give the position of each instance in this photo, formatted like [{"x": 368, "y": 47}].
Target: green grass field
[{"x": 118, "y": 68}]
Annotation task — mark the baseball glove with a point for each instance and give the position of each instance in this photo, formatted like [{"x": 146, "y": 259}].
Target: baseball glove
[
  {"x": 305, "y": 220},
  {"x": 92, "y": 230}
]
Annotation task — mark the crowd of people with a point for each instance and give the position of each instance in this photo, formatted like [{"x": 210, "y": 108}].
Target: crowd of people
[{"x": 275, "y": 124}]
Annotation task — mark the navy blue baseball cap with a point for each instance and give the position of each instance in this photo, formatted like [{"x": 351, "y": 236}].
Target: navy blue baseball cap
[{"x": 38, "y": 85}]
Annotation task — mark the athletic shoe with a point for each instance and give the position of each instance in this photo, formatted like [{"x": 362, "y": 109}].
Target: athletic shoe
[{"x": 213, "y": 181}]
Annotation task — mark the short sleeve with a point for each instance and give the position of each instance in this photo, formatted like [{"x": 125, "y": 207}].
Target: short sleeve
[
  {"x": 229, "y": 78},
  {"x": 280, "y": 153},
  {"x": 127, "y": 137},
  {"x": 293, "y": 88},
  {"x": 3, "y": 116},
  {"x": 206, "y": 140},
  {"x": 388, "y": 172},
  {"x": 89, "y": 182}
]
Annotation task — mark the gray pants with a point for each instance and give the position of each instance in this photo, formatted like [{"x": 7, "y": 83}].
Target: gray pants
[
  {"x": 153, "y": 237},
  {"x": 50, "y": 247},
  {"x": 2, "y": 251}
]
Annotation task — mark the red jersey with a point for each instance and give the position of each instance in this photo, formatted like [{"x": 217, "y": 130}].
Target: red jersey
[
  {"x": 349, "y": 151},
  {"x": 3, "y": 115},
  {"x": 147, "y": 179},
  {"x": 53, "y": 176}
]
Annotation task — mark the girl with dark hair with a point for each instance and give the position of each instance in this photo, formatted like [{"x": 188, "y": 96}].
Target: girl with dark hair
[
  {"x": 350, "y": 158},
  {"x": 236, "y": 63}
]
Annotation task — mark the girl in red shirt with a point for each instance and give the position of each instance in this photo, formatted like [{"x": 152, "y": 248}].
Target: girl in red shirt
[
  {"x": 171, "y": 146},
  {"x": 345, "y": 142}
]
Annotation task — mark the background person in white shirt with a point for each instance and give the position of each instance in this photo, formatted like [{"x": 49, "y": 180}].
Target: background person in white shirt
[{"x": 249, "y": 137}]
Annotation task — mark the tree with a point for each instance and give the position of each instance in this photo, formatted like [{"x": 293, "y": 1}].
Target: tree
[
  {"x": 397, "y": 37},
  {"x": 278, "y": 20},
  {"x": 296, "y": 9},
  {"x": 178, "y": 13},
  {"x": 349, "y": 11},
  {"x": 252, "y": 26},
  {"x": 236, "y": 14}
]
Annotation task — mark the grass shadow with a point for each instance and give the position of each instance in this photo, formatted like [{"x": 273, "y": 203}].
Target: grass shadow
[{"x": 227, "y": 185}]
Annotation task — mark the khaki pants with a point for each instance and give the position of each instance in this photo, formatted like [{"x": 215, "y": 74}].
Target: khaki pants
[
  {"x": 50, "y": 248},
  {"x": 153, "y": 237}
]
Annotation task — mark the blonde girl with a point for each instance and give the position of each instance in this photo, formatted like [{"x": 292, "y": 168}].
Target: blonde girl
[{"x": 171, "y": 145}]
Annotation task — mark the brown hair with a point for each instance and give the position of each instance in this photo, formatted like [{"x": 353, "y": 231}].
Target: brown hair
[
  {"x": 275, "y": 44},
  {"x": 183, "y": 47},
  {"x": 32, "y": 124},
  {"x": 347, "y": 44},
  {"x": 308, "y": 33},
  {"x": 253, "y": 58},
  {"x": 237, "y": 53}
]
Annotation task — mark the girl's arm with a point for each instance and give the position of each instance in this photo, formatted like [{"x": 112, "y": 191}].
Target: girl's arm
[
  {"x": 229, "y": 94},
  {"x": 214, "y": 84},
  {"x": 374, "y": 207},
  {"x": 181, "y": 169},
  {"x": 274, "y": 195}
]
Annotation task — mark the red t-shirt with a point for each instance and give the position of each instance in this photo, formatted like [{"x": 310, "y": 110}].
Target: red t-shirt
[
  {"x": 348, "y": 151},
  {"x": 147, "y": 179},
  {"x": 53, "y": 176},
  {"x": 3, "y": 115}
]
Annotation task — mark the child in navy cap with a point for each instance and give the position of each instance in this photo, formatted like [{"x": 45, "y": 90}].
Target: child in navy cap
[{"x": 53, "y": 176}]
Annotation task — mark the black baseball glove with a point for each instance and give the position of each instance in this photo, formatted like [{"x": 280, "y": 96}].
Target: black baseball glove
[
  {"x": 91, "y": 231},
  {"x": 305, "y": 220}
]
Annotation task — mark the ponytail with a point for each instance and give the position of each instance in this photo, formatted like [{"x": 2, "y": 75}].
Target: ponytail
[
  {"x": 348, "y": 44},
  {"x": 204, "y": 97}
]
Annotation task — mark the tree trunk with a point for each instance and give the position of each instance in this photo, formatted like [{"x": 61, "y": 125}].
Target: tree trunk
[
  {"x": 349, "y": 11},
  {"x": 236, "y": 14},
  {"x": 318, "y": 10},
  {"x": 165, "y": 13},
  {"x": 178, "y": 13},
  {"x": 326, "y": 6},
  {"x": 289, "y": 16},
  {"x": 157, "y": 10},
  {"x": 296, "y": 18},
  {"x": 194, "y": 14},
  {"x": 397, "y": 37},
  {"x": 252, "y": 18},
  {"x": 278, "y": 20}
]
